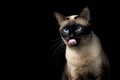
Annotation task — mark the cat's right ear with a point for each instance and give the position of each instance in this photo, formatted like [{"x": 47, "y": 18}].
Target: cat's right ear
[{"x": 59, "y": 17}]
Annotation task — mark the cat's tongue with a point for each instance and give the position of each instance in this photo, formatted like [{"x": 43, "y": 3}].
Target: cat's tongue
[{"x": 72, "y": 42}]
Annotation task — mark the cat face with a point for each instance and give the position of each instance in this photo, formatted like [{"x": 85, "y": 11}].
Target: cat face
[{"x": 74, "y": 29}]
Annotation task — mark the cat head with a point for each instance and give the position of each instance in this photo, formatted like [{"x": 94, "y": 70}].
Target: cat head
[{"x": 74, "y": 29}]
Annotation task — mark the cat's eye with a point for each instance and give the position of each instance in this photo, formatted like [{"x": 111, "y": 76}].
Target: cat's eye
[
  {"x": 78, "y": 28},
  {"x": 65, "y": 30}
]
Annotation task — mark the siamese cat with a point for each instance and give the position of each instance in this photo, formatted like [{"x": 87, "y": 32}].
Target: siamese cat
[{"x": 85, "y": 59}]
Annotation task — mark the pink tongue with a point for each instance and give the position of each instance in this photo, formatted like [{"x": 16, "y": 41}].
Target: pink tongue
[{"x": 72, "y": 42}]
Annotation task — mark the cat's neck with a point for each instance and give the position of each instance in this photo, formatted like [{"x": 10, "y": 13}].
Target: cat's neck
[{"x": 93, "y": 49}]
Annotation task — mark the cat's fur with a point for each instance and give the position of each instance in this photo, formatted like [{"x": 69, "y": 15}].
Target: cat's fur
[{"x": 84, "y": 55}]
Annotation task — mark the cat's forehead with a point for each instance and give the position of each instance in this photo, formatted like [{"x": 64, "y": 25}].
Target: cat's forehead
[
  {"x": 73, "y": 20},
  {"x": 72, "y": 17}
]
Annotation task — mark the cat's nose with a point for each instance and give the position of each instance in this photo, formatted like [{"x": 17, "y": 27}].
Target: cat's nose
[{"x": 71, "y": 36}]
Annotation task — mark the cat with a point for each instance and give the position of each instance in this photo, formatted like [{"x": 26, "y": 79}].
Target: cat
[{"x": 85, "y": 58}]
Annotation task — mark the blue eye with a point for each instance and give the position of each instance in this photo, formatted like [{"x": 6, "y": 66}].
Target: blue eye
[
  {"x": 66, "y": 30},
  {"x": 78, "y": 28}
]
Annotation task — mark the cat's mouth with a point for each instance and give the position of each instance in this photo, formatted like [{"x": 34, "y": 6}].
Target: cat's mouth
[{"x": 72, "y": 42}]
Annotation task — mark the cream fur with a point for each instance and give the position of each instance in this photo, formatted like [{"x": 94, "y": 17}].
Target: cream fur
[{"x": 83, "y": 59}]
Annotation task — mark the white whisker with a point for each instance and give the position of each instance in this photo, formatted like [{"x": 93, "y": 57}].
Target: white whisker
[{"x": 57, "y": 48}]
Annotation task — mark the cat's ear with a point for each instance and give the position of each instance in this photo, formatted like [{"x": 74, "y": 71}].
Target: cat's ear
[
  {"x": 59, "y": 17},
  {"x": 85, "y": 14}
]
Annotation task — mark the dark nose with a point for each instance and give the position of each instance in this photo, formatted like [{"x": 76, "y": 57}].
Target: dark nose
[{"x": 71, "y": 36}]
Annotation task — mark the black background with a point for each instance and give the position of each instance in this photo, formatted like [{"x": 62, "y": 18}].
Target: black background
[{"x": 37, "y": 27}]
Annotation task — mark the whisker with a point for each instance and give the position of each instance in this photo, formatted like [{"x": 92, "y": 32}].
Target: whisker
[
  {"x": 55, "y": 44},
  {"x": 56, "y": 39},
  {"x": 57, "y": 48}
]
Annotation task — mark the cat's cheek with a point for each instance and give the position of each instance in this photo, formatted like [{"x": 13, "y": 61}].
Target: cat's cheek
[{"x": 72, "y": 42}]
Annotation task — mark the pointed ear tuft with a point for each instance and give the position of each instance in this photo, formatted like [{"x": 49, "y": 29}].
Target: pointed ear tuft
[
  {"x": 85, "y": 14},
  {"x": 59, "y": 17}
]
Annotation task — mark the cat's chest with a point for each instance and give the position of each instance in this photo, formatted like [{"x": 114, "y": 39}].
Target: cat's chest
[
  {"x": 80, "y": 62},
  {"x": 82, "y": 57},
  {"x": 77, "y": 58}
]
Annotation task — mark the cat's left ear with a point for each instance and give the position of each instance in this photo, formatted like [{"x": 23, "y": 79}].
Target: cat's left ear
[
  {"x": 59, "y": 17},
  {"x": 85, "y": 14}
]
